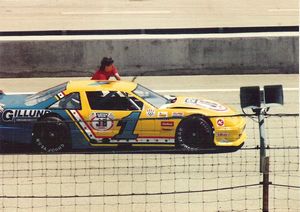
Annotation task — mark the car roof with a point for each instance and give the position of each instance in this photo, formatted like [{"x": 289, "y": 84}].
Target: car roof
[{"x": 96, "y": 85}]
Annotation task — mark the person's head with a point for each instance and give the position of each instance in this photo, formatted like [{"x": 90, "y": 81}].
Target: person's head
[{"x": 106, "y": 64}]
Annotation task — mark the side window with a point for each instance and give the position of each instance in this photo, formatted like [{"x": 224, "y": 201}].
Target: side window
[
  {"x": 110, "y": 100},
  {"x": 71, "y": 102},
  {"x": 137, "y": 102}
]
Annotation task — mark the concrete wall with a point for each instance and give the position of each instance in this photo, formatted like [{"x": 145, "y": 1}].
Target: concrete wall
[{"x": 150, "y": 55}]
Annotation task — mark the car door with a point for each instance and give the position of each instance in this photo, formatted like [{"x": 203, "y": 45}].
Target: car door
[{"x": 113, "y": 117}]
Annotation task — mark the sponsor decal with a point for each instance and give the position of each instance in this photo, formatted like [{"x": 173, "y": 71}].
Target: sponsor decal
[
  {"x": 222, "y": 134},
  {"x": 221, "y": 122},
  {"x": 60, "y": 95},
  {"x": 162, "y": 114},
  {"x": 20, "y": 115},
  {"x": 224, "y": 141},
  {"x": 206, "y": 104},
  {"x": 167, "y": 124},
  {"x": 150, "y": 112},
  {"x": 177, "y": 114},
  {"x": 102, "y": 121}
]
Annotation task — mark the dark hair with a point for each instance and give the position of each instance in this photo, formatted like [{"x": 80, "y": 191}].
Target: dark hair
[{"x": 106, "y": 61}]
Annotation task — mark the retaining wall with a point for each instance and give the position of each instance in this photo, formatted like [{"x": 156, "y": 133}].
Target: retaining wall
[{"x": 256, "y": 53}]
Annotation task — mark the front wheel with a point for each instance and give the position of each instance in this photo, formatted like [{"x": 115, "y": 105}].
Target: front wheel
[
  {"x": 51, "y": 134},
  {"x": 194, "y": 133}
]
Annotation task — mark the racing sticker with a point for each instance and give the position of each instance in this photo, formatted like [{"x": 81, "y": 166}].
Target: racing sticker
[
  {"x": 167, "y": 124},
  {"x": 102, "y": 121},
  {"x": 60, "y": 95},
  {"x": 220, "y": 122},
  {"x": 177, "y": 114},
  {"x": 206, "y": 104},
  {"x": 20, "y": 115},
  {"x": 150, "y": 112},
  {"x": 162, "y": 114},
  {"x": 222, "y": 134}
]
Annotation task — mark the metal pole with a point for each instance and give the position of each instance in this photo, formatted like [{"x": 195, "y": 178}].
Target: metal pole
[
  {"x": 264, "y": 161},
  {"x": 262, "y": 139},
  {"x": 266, "y": 185}
]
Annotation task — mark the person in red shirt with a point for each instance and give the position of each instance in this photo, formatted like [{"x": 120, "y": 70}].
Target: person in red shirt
[{"x": 106, "y": 70}]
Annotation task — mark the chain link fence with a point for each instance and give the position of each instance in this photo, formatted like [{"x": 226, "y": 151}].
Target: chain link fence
[{"x": 158, "y": 182}]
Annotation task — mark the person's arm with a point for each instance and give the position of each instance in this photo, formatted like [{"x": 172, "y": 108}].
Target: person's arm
[{"x": 117, "y": 76}]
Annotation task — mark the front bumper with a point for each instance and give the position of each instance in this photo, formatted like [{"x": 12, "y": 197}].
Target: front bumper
[{"x": 231, "y": 136}]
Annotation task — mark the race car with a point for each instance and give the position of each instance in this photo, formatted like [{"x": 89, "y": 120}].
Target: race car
[{"x": 91, "y": 114}]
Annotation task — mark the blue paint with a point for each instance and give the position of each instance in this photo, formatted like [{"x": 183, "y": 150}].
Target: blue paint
[{"x": 128, "y": 125}]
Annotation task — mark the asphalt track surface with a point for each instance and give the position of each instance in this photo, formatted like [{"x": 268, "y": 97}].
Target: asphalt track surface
[
  {"x": 76, "y": 182},
  {"x": 32, "y": 15}
]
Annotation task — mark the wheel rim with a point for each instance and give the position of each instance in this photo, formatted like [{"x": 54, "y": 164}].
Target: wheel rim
[
  {"x": 51, "y": 133},
  {"x": 196, "y": 134}
]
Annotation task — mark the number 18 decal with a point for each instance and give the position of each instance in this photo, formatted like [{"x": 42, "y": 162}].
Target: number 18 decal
[{"x": 128, "y": 125}]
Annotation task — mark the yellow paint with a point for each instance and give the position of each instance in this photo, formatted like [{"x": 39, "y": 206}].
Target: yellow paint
[{"x": 151, "y": 118}]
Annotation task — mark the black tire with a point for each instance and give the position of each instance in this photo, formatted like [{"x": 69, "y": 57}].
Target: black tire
[
  {"x": 194, "y": 133},
  {"x": 51, "y": 134}
]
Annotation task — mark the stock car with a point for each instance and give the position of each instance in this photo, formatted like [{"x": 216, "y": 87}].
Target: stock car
[{"x": 88, "y": 114}]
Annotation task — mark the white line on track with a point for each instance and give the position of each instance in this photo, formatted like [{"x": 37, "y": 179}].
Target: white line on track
[
  {"x": 115, "y": 12},
  {"x": 179, "y": 90},
  {"x": 145, "y": 37}
]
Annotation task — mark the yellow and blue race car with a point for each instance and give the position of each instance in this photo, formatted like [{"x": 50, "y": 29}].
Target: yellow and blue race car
[{"x": 95, "y": 114}]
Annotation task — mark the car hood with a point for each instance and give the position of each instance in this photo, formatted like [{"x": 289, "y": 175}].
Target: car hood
[{"x": 199, "y": 103}]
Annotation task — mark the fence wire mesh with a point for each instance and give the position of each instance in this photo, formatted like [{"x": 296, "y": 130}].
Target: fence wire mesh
[{"x": 158, "y": 182}]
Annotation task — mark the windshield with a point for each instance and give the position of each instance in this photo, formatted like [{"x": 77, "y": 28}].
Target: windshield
[
  {"x": 151, "y": 97},
  {"x": 44, "y": 95}
]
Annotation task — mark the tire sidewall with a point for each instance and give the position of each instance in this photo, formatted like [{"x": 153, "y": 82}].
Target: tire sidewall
[
  {"x": 60, "y": 142},
  {"x": 180, "y": 140}
]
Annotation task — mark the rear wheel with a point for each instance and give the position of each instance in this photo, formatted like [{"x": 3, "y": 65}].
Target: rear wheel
[
  {"x": 51, "y": 134},
  {"x": 194, "y": 133}
]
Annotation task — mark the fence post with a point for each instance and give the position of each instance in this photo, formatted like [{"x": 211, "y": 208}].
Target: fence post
[
  {"x": 266, "y": 184},
  {"x": 264, "y": 161}
]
